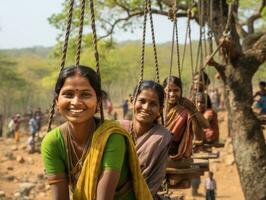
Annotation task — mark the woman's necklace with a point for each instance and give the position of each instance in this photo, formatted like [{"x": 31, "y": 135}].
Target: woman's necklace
[{"x": 76, "y": 164}]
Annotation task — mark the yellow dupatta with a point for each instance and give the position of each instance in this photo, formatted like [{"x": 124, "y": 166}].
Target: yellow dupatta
[{"x": 88, "y": 179}]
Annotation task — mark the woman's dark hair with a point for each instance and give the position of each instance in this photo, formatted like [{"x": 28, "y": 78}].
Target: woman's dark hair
[
  {"x": 205, "y": 97},
  {"x": 84, "y": 71},
  {"x": 149, "y": 84},
  {"x": 202, "y": 77},
  {"x": 173, "y": 79},
  {"x": 262, "y": 83}
]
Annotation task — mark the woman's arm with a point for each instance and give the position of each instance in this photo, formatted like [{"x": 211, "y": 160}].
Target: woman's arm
[
  {"x": 107, "y": 185},
  {"x": 60, "y": 191},
  {"x": 59, "y": 186},
  {"x": 112, "y": 162}
]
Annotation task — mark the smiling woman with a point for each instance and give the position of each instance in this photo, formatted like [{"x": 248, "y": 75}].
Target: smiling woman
[
  {"x": 152, "y": 140},
  {"x": 97, "y": 159}
]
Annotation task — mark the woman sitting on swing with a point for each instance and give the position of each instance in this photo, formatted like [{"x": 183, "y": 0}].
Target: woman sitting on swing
[
  {"x": 152, "y": 140},
  {"x": 96, "y": 159},
  {"x": 204, "y": 105},
  {"x": 182, "y": 119}
]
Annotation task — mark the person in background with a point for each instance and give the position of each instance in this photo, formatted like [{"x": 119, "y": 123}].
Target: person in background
[
  {"x": 262, "y": 91},
  {"x": 33, "y": 126},
  {"x": 204, "y": 106},
  {"x": 38, "y": 118},
  {"x": 11, "y": 128},
  {"x": 1, "y": 125},
  {"x": 210, "y": 187},
  {"x": 215, "y": 99},
  {"x": 107, "y": 104},
  {"x": 261, "y": 94},
  {"x": 17, "y": 121},
  {"x": 125, "y": 108}
]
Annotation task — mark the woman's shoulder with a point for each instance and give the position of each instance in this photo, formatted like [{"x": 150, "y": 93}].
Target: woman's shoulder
[
  {"x": 162, "y": 132},
  {"x": 53, "y": 137},
  {"x": 210, "y": 111}
]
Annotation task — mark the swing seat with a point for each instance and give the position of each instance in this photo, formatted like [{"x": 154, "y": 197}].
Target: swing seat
[
  {"x": 203, "y": 155},
  {"x": 181, "y": 177}
]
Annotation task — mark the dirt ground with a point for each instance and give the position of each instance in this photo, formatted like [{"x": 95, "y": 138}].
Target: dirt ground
[{"x": 14, "y": 171}]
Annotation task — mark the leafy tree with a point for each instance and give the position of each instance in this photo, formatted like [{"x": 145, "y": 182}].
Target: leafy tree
[{"x": 244, "y": 53}]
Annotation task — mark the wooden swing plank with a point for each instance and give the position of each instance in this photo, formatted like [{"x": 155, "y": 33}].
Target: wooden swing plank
[{"x": 205, "y": 155}]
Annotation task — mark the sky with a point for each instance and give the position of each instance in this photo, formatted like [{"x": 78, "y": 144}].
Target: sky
[{"x": 23, "y": 23}]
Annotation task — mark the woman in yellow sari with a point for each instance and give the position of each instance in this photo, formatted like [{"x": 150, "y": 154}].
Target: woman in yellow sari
[{"x": 96, "y": 159}]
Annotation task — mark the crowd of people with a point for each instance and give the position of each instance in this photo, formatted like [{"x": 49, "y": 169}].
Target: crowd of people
[
  {"x": 121, "y": 159},
  {"x": 127, "y": 158}
]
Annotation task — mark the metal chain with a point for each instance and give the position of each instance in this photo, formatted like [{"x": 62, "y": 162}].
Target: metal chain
[
  {"x": 82, "y": 11},
  {"x": 63, "y": 59},
  {"x": 96, "y": 54},
  {"x": 153, "y": 43}
]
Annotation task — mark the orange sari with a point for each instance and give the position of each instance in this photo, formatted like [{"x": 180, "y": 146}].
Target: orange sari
[{"x": 183, "y": 125}]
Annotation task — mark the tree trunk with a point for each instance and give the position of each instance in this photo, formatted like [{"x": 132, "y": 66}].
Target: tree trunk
[
  {"x": 246, "y": 131},
  {"x": 248, "y": 140}
]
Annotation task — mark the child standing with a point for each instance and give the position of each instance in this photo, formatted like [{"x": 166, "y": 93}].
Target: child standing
[{"x": 210, "y": 187}]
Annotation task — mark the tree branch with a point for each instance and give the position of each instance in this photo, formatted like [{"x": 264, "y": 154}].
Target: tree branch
[
  {"x": 254, "y": 17},
  {"x": 136, "y": 14},
  {"x": 114, "y": 24},
  {"x": 258, "y": 49}
]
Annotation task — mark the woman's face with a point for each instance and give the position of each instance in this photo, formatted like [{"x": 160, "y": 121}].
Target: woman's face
[
  {"x": 198, "y": 84},
  {"x": 147, "y": 107},
  {"x": 77, "y": 100},
  {"x": 201, "y": 104},
  {"x": 173, "y": 92}
]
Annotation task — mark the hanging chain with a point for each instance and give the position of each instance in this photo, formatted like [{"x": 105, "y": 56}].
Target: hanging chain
[
  {"x": 82, "y": 11},
  {"x": 154, "y": 43},
  {"x": 63, "y": 59},
  {"x": 96, "y": 54}
]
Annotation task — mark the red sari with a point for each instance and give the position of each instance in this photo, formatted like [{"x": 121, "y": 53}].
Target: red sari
[
  {"x": 180, "y": 123},
  {"x": 211, "y": 133}
]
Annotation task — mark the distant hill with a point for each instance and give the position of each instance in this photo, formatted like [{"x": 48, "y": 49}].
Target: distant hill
[{"x": 37, "y": 50}]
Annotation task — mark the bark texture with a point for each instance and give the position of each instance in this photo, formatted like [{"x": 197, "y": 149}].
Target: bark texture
[{"x": 246, "y": 131}]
